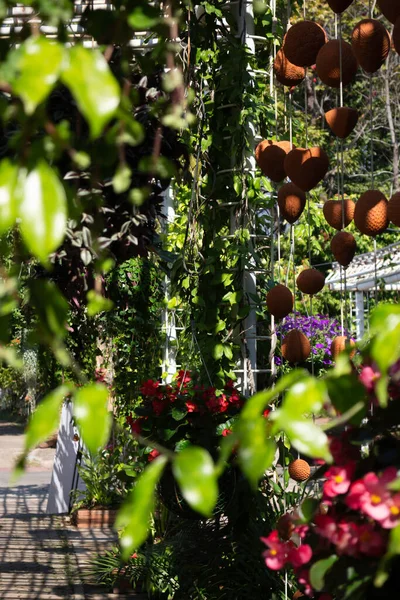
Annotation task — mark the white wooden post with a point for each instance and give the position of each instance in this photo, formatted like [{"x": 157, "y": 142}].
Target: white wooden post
[
  {"x": 360, "y": 325},
  {"x": 168, "y": 316}
]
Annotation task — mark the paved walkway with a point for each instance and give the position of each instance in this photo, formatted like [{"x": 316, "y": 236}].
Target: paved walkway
[{"x": 42, "y": 557}]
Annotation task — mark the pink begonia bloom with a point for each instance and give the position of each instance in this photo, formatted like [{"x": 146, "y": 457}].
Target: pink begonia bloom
[
  {"x": 343, "y": 534},
  {"x": 368, "y": 377},
  {"x": 326, "y": 526},
  {"x": 394, "y": 513},
  {"x": 303, "y": 577},
  {"x": 371, "y": 542},
  {"x": 338, "y": 480},
  {"x": 300, "y": 556},
  {"x": 371, "y": 496},
  {"x": 277, "y": 554}
]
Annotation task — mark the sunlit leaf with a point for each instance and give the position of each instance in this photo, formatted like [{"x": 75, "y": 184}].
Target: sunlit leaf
[
  {"x": 97, "y": 303},
  {"x": 8, "y": 200},
  {"x": 306, "y": 437},
  {"x": 92, "y": 415},
  {"x": 305, "y": 396},
  {"x": 134, "y": 516},
  {"x": 46, "y": 417},
  {"x": 42, "y": 210},
  {"x": 345, "y": 392},
  {"x": 256, "y": 451},
  {"x": 38, "y": 64},
  {"x": 93, "y": 86},
  {"x": 143, "y": 17},
  {"x": 195, "y": 473},
  {"x": 393, "y": 550}
]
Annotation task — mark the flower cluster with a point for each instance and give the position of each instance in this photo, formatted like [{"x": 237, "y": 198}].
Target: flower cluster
[
  {"x": 170, "y": 413},
  {"x": 280, "y": 553},
  {"x": 320, "y": 329}
]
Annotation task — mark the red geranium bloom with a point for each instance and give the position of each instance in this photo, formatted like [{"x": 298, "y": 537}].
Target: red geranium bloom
[
  {"x": 151, "y": 389},
  {"x": 152, "y": 455},
  {"x": 226, "y": 432},
  {"x": 191, "y": 406},
  {"x": 158, "y": 406},
  {"x": 217, "y": 404}
]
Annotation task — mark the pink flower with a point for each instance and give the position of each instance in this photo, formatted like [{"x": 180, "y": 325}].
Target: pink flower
[
  {"x": 371, "y": 542},
  {"x": 347, "y": 538},
  {"x": 394, "y": 513},
  {"x": 277, "y": 554},
  {"x": 368, "y": 377},
  {"x": 326, "y": 527},
  {"x": 303, "y": 577},
  {"x": 300, "y": 556},
  {"x": 372, "y": 497},
  {"x": 338, "y": 480},
  {"x": 152, "y": 455}
]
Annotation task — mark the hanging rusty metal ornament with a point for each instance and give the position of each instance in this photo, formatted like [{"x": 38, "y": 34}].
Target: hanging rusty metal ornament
[
  {"x": 371, "y": 213},
  {"x": 298, "y": 594},
  {"x": 394, "y": 209},
  {"x": 306, "y": 167},
  {"x": 339, "y": 344},
  {"x": 396, "y": 36},
  {"x": 270, "y": 157},
  {"x": 310, "y": 281},
  {"x": 302, "y": 43},
  {"x": 296, "y": 347},
  {"x": 291, "y": 201},
  {"x": 342, "y": 121},
  {"x": 343, "y": 246},
  {"x": 280, "y": 301},
  {"x": 339, "y": 6},
  {"x": 299, "y": 470},
  {"x": 390, "y": 9},
  {"x": 371, "y": 44},
  {"x": 328, "y": 64},
  {"x": 333, "y": 212},
  {"x": 286, "y": 72}
]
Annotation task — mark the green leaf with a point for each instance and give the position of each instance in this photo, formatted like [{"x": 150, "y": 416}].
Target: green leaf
[
  {"x": 319, "y": 570},
  {"x": 308, "y": 509},
  {"x": 93, "y": 86},
  {"x": 256, "y": 451},
  {"x": 134, "y": 515},
  {"x": 46, "y": 417},
  {"x": 178, "y": 414},
  {"x": 385, "y": 343},
  {"x": 143, "y": 17},
  {"x": 218, "y": 351},
  {"x": 393, "y": 550},
  {"x": 8, "y": 199},
  {"x": 305, "y": 396},
  {"x": 306, "y": 437},
  {"x": 97, "y": 303},
  {"x": 51, "y": 307},
  {"x": 257, "y": 403},
  {"x": 42, "y": 210},
  {"x": 92, "y": 415},
  {"x": 194, "y": 471},
  {"x": 122, "y": 179},
  {"x": 345, "y": 392},
  {"x": 38, "y": 63}
]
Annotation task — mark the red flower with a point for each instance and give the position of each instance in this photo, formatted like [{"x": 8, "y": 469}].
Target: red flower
[
  {"x": 183, "y": 378},
  {"x": 152, "y": 455},
  {"x": 229, "y": 384},
  {"x": 158, "y": 406},
  {"x": 371, "y": 542},
  {"x": 266, "y": 413},
  {"x": 217, "y": 404},
  {"x": 226, "y": 432},
  {"x": 135, "y": 424},
  {"x": 151, "y": 389},
  {"x": 191, "y": 406}
]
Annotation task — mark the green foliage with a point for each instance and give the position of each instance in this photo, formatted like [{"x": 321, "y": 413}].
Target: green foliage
[
  {"x": 92, "y": 415},
  {"x": 194, "y": 470}
]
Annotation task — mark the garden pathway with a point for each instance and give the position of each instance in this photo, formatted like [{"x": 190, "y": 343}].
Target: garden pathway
[{"x": 42, "y": 557}]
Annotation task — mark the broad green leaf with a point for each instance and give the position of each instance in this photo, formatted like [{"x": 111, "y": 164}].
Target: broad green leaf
[
  {"x": 92, "y": 415},
  {"x": 305, "y": 396},
  {"x": 38, "y": 64},
  {"x": 385, "y": 343},
  {"x": 393, "y": 550},
  {"x": 218, "y": 351},
  {"x": 345, "y": 392},
  {"x": 257, "y": 403},
  {"x": 8, "y": 200},
  {"x": 51, "y": 307},
  {"x": 194, "y": 470},
  {"x": 143, "y": 17},
  {"x": 319, "y": 570},
  {"x": 93, "y": 86},
  {"x": 122, "y": 179},
  {"x": 227, "y": 445},
  {"x": 45, "y": 419},
  {"x": 308, "y": 509},
  {"x": 256, "y": 451},
  {"x": 42, "y": 210},
  {"x": 134, "y": 516},
  {"x": 306, "y": 437},
  {"x": 97, "y": 303}
]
